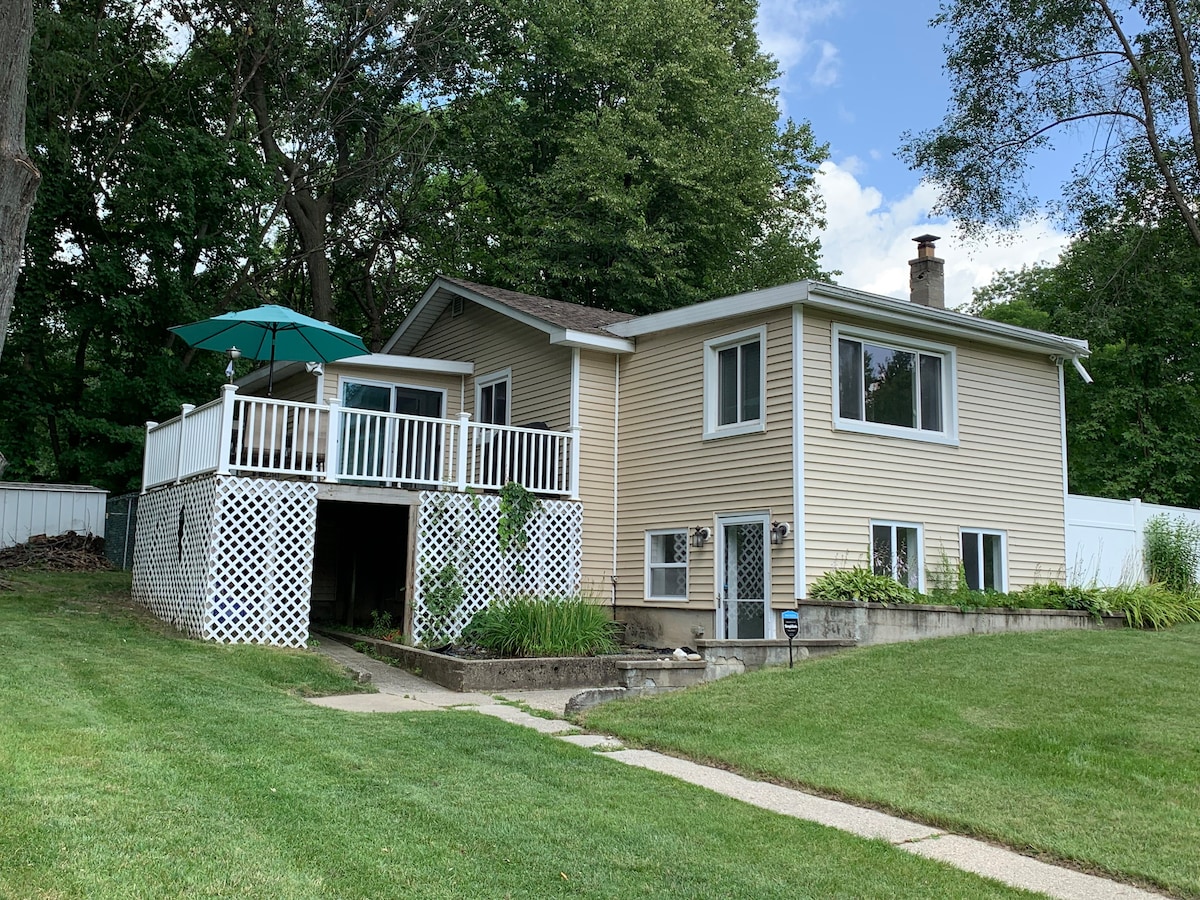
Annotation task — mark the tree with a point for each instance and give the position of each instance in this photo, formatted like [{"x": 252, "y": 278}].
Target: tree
[
  {"x": 1132, "y": 292},
  {"x": 1022, "y": 72},
  {"x": 149, "y": 213},
  {"x": 19, "y": 177},
  {"x": 626, "y": 154},
  {"x": 341, "y": 99}
]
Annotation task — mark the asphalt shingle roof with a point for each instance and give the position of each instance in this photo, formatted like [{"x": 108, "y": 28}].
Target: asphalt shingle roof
[{"x": 557, "y": 312}]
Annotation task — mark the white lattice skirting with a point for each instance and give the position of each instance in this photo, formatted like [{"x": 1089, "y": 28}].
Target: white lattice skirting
[
  {"x": 229, "y": 559},
  {"x": 458, "y": 552}
]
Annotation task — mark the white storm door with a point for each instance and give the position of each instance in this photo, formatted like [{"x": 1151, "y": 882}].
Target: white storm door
[{"x": 744, "y": 577}]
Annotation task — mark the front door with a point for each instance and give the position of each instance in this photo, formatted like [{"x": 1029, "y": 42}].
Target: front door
[{"x": 744, "y": 577}]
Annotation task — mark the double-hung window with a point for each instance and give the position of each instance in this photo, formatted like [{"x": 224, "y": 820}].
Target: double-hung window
[
  {"x": 894, "y": 386},
  {"x": 734, "y": 383},
  {"x": 491, "y": 398},
  {"x": 666, "y": 564},
  {"x": 896, "y": 552},
  {"x": 983, "y": 559}
]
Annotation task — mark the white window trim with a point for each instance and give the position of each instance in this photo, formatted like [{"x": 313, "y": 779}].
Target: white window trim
[
  {"x": 343, "y": 380},
  {"x": 650, "y": 534},
  {"x": 995, "y": 532},
  {"x": 949, "y": 432},
  {"x": 711, "y": 348},
  {"x": 491, "y": 378},
  {"x": 897, "y": 523}
]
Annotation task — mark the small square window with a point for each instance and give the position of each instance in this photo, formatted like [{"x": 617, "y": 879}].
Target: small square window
[{"x": 666, "y": 564}]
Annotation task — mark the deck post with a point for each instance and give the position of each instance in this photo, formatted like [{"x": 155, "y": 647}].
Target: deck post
[
  {"x": 574, "y": 486},
  {"x": 183, "y": 414},
  {"x": 150, "y": 426},
  {"x": 225, "y": 442},
  {"x": 460, "y": 465},
  {"x": 333, "y": 442}
]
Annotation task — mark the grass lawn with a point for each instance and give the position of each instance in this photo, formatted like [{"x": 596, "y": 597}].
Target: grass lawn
[
  {"x": 137, "y": 764},
  {"x": 1081, "y": 745}
]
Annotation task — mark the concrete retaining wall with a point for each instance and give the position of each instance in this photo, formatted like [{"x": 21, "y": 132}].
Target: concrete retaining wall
[
  {"x": 874, "y": 623},
  {"x": 457, "y": 674},
  {"x": 734, "y": 657}
]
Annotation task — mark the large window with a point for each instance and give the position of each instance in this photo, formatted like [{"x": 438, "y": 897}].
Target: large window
[
  {"x": 666, "y": 564},
  {"x": 893, "y": 386},
  {"x": 896, "y": 552},
  {"x": 983, "y": 559},
  {"x": 734, "y": 379}
]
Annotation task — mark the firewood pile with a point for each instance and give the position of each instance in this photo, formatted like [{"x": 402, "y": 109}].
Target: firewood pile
[{"x": 68, "y": 552}]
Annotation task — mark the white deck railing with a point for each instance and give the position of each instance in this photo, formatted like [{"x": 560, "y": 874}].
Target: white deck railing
[{"x": 260, "y": 435}]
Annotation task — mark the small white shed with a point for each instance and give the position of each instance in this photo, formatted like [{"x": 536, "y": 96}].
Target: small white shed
[{"x": 29, "y": 509}]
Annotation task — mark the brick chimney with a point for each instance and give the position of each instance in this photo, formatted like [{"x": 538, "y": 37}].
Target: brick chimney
[{"x": 927, "y": 274}]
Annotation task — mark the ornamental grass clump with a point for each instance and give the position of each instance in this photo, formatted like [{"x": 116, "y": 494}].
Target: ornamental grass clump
[{"x": 543, "y": 626}]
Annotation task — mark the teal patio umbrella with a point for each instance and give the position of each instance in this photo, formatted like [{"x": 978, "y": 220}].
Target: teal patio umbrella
[{"x": 273, "y": 333}]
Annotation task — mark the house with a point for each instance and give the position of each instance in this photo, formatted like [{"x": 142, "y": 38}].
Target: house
[{"x": 698, "y": 468}]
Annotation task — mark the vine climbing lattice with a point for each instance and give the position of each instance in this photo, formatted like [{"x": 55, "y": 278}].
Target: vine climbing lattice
[{"x": 457, "y": 541}]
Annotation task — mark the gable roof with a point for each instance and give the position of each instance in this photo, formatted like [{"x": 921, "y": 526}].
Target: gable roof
[
  {"x": 573, "y": 325},
  {"x": 847, "y": 301},
  {"x": 567, "y": 324}
]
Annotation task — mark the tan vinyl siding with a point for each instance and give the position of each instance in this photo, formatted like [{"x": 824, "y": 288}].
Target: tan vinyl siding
[
  {"x": 597, "y": 411},
  {"x": 301, "y": 387},
  {"x": 541, "y": 374},
  {"x": 670, "y": 477},
  {"x": 1005, "y": 473}
]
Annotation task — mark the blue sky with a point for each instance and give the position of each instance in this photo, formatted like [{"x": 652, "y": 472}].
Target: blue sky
[{"x": 862, "y": 72}]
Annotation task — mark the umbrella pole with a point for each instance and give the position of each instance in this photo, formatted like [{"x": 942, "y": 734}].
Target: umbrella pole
[{"x": 271, "y": 365}]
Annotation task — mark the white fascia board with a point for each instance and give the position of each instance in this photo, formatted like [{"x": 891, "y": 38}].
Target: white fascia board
[
  {"x": 415, "y": 314},
  {"x": 408, "y": 363},
  {"x": 568, "y": 337},
  {"x": 713, "y": 310},
  {"x": 942, "y": 321},
  {"x": 851, "y": 302}
]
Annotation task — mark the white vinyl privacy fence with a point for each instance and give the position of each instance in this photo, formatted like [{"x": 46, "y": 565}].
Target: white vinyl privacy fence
[
  {"x": 29, "y": 509},
  {"x": 1105, "y": 538}
]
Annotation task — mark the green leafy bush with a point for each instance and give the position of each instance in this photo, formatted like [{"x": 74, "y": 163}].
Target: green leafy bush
[
  {"x": 862, "y": 586},
  {"x": 1172, "y": 552},
  {"x": 1057, "y": 596},
  {"x": 543, "y": 626}
]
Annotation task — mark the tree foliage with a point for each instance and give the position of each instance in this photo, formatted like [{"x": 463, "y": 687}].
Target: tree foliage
[
  {"x": 1122, "y": 71},
  {"x": 147, "y": 215},
  {"x": 333, "y": 155},
  {"x": 1132, "y": 292},
  {"x": 628, "y": 156}
]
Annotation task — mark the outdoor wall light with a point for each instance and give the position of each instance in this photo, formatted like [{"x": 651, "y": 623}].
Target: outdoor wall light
[
  {"x": 700, "y": 535},
  {"x": 780, "y": 531}
]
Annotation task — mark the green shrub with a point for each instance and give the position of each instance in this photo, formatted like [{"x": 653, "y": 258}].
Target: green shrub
[
  {"x": 1154, "y": 605},
  {"x": 1172, "y": 552},
  {"x": 861, "y": 586},
  {"x": 543, "y": 626},
  {"x": 1057, "y": 596}
]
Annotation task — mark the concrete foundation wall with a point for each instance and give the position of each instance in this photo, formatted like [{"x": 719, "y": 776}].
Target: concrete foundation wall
[
  {"x": 665, "y": 628},
  {"x": 874, "y": 623}
]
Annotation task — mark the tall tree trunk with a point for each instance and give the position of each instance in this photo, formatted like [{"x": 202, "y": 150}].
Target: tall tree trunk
[{"x": 19, "y": 177}]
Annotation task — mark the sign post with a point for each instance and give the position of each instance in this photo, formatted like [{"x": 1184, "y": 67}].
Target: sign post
[{"x": 791, "y": 627}]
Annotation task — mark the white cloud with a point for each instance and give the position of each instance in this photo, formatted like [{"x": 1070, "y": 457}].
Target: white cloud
[
  {"x": 784, "y": 29},
  {"x": 870, "y": 239}
]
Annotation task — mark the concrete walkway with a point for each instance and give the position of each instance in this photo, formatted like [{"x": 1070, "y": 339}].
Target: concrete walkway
[{"x": 401, "y": 691}]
